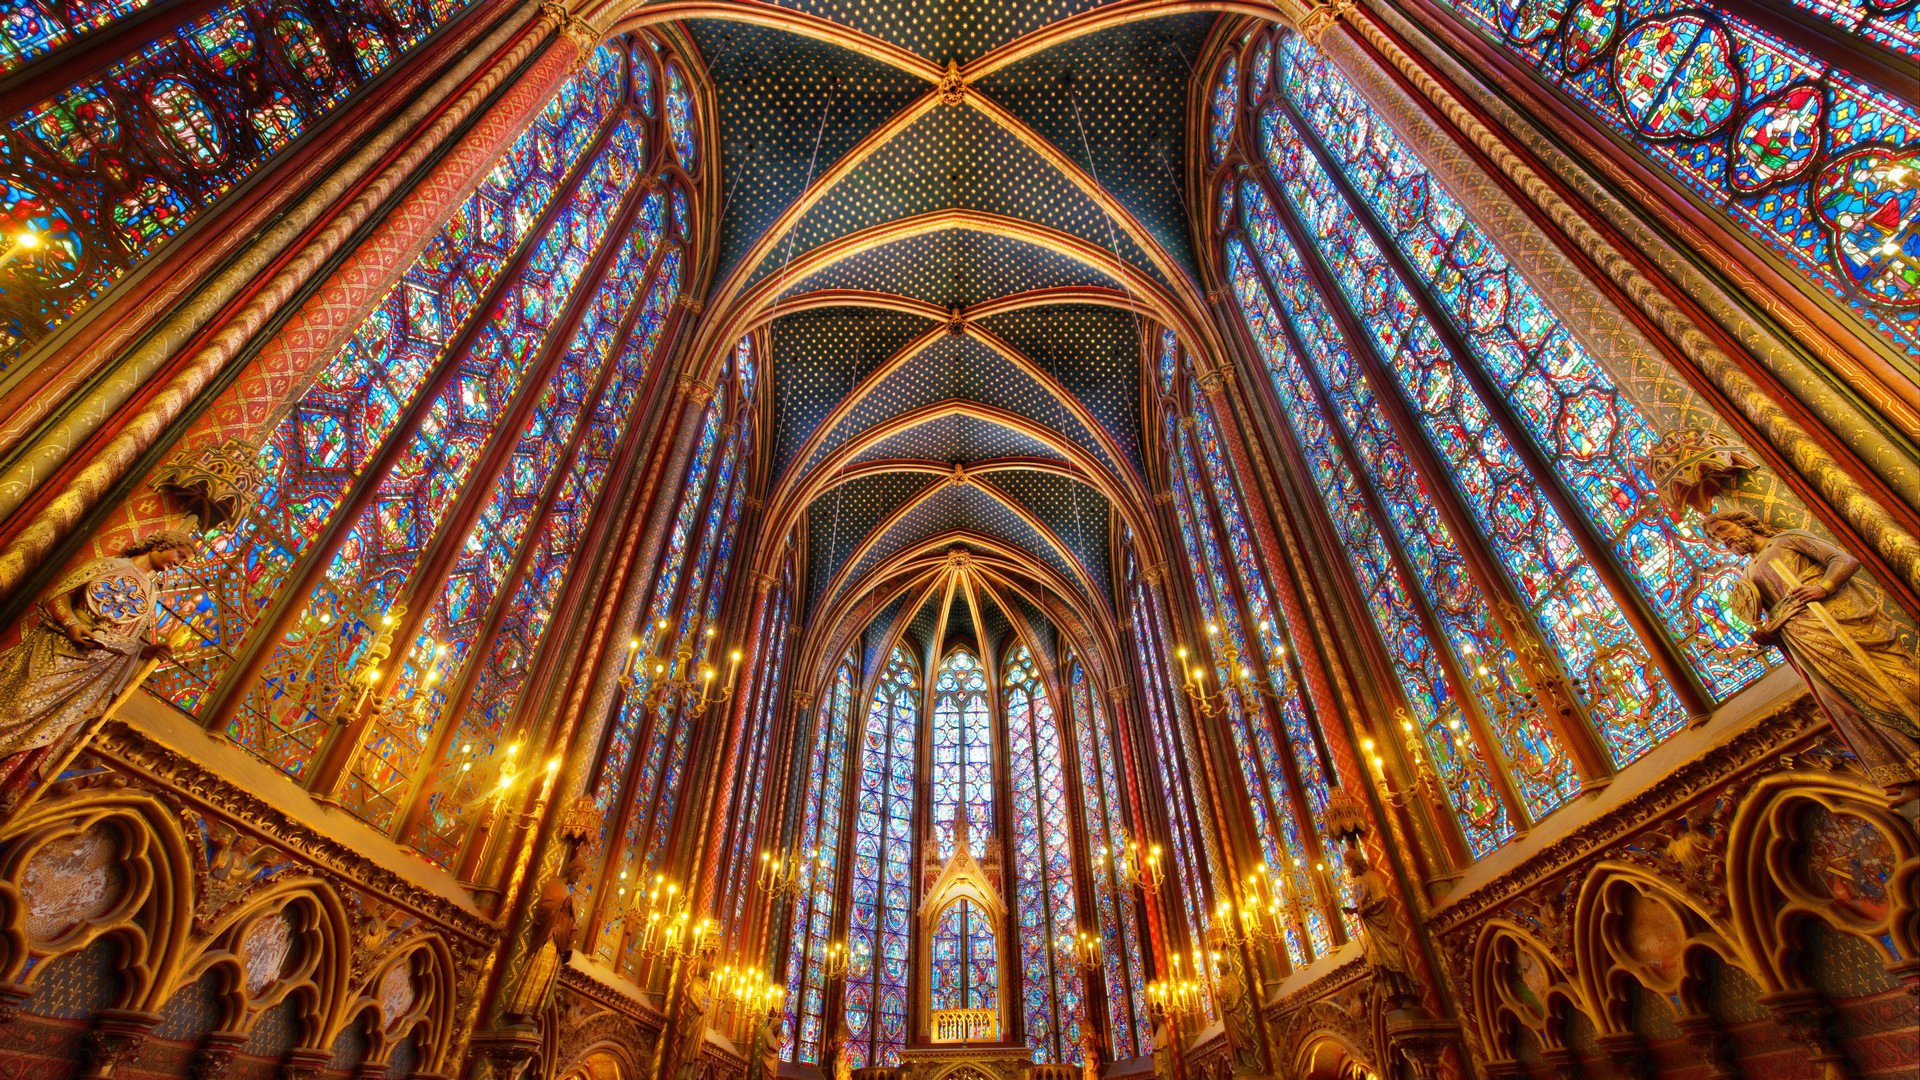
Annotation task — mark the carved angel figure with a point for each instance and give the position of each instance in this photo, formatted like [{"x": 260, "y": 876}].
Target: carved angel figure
[
  {"x": 1799, "y": 592},
  {"x": 81, "y": 646}
]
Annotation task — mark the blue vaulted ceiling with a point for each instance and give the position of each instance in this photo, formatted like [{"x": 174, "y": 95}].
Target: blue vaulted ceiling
[{"x": 1012, "y": 348}]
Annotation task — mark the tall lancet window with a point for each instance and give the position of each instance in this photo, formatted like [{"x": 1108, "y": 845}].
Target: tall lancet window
[
  {"x": 880, "y": 925},
  {"x": 1808, "y": 158},
  {"x": 165, "y": 117},
  {"x": 1128, "y": 1027},
  {"x": 819, "y": 843},
  {"x": 1479, "y": 465},
  {"x": 1051, "y": 991},
  {"x": 962, "y": 751},
  {"x": 965, "y": 965}
]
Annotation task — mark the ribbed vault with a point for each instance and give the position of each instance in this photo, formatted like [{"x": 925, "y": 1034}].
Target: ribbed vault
[{"x": 958, "y": 229}]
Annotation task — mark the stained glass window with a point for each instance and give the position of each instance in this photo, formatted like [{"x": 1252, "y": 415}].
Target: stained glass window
[
  {"x": 1174, "y": 754},
  {"x": 1301, "y": 762},
  {"x": 355, "y": 407},
  {"x": 680, "y": 118},
  {"x": 1581, "y": 422},
  {"x": 1812, "y": 161},
  {"x": 881, "y": 918},
  {"x": 1223, "y": 108},
  {"x": 1462, "y": 772},
  {"x": 819, "y": 844},
  {"x": 1051, "y": 993},
  {"x": 1269, "y": 788},
  {"x": 632, "y": 729},
  {"x": 391, "y": 528},
  {"x": 186, "y": 117},
  {"x": 1550, "y": 573},
  {"x": 1129, "y": 1029},
  {"x": 436, "y": 660},
  {"x": 962, "y": 752},
  {"x": 519, "y": 628},
  {"x": 966, "y": 970},
  {"x": 31, "y": 29}
]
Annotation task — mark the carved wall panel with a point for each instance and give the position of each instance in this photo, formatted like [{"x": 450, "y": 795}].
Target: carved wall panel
[{"x": 156, "y": 920}]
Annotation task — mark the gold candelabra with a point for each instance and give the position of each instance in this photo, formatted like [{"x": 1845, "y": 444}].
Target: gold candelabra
[
  {"x": 661, "y": 924},
  {"x": 1082, "y": 949},
  {"x": 1133, "y": 866},
  {"x": 785, "y": 874},
  {"x": 1181, "y": 994},
  {"x": 835, "y": 961},
  {"x": 671, "y": 677}
]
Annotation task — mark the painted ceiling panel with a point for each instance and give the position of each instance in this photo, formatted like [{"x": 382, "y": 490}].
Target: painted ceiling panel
[
  {"x": 1077, "y": 514},
  {"x": 839, "y": 520},
  {"x": 956, "y": 268},
  {"x": 1093, "y": 351},
  {"x": 821, "y": 355},
  {"x": 953, "y": 158},
  {"x": 776, "y": 128},
  {"x": 1129, "y": 86},
  {"x": 943, "y": 29},
  {"x": 957, "y": 367},
  {"x": 1046, "y": 638},
  {"x": 994, "y": 620},
  {"x": 874, "y": 641},
  {"x": 922, "y": 625},
  {"x": 956, "y": 440}
]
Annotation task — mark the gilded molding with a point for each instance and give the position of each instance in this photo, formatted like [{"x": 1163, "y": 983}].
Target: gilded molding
[
  {"x": 140, "y": 757},
  {"x": 1768, "y": 737}
]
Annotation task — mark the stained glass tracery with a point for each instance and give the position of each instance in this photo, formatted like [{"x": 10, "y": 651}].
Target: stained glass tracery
[
  {"x": 1811, "y": 161},
  {"x": 1129, "y": 1030},
  {"x": 1581, "y": 421},
  {"x": 357, "y": 406},
  {"x": 962, "y": 751},
  {"x": 819, "y": 843},
  {"x": 883, "y": 900},
  {"x": 126, "y": 158},
  {"x": 1051, "y": 991}
]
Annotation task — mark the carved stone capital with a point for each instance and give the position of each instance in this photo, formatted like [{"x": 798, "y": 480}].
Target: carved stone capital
[
  {"x": 1219, "y": 378},
  {"x": 697, "y": 392},
  {"x": 764, "y": 582},
  {"x": 1164, "y": 498},
  {"x": 692, "y": 303},
  {"x": 504, "y": 1053},
  {"x": 1157, "y": 572},
  {"x": 215, "y": 482},
  {"x": 305, "y": 1063},
  {"x": 1322, "y": 16},
  {"x": 581, "y": 32}
]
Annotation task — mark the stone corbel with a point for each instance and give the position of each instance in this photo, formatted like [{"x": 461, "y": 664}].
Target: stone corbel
[
  {"x": 214, "y": 1059},
  {"x": 117, "y": 1038}
]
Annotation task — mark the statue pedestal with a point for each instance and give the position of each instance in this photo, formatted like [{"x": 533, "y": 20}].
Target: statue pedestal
[{"x": 965, "y": 1061}]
